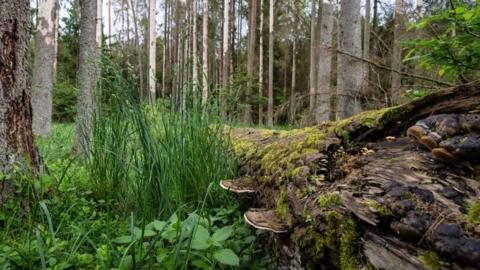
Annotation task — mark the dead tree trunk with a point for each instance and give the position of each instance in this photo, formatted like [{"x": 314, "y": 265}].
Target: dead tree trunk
[
  {"x": 16, "y": 135},
  {"x": 353, "y": 197},
  {"x": 271, "y": 37}
]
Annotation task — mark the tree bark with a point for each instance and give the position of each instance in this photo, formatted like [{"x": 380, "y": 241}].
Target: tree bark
[
  {"x": 205, "y": 53},
  {"x": 138, "y": 49},
  {"x": 312, "y": 82},
  {"x": 16, "y": 134},
  {"x": 252, "y": 29},
  {"x": 165, "y": 49},
  {"x": 44, "y": 67},
  {"x": 87, "y": 72},
  {"x": 293, "y": 82},
  {"x": 152, "y": 50},
  {"x": 366, "y": 46},
  {"x": 324, "y": 69},
  {"x": 350, "y": 70},
  {"x": 260, "y": 68},
  {"x": 399, "y": 21},
  {"x": 271, "y": 41},
  {"x": 225, "y": 59},
  {"x": 194, "y": 51}
]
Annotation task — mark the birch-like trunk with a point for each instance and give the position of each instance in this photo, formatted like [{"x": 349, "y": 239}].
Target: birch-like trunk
[
  {"x": 16, "y": 135},
  {"x": 44, "y": 67},
  {"x": 260, "y": 67},
  {"x": 152, "y": 50},
  {"x": 87, "y": 71},
  {"x": 252, "y": 29},
  {"x": 313, "y": 59},
  {"x": 205, "y": 53},
  {"x": 397, "y": 51},
  {"x": 350, "y": 70},
  {"x": 324, "y": 66},
  {"x": 225, "y": 58},
  {"x": 270, "y": 63}
]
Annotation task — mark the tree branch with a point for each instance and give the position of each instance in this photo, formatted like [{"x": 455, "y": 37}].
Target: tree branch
[{"x": 381, "y": 66}]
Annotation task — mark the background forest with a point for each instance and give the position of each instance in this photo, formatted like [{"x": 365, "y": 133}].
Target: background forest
[{"x": 131, "y": 100}]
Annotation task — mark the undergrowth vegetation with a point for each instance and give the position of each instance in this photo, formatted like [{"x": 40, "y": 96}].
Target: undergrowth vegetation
[{"x": 144, "y": 195}]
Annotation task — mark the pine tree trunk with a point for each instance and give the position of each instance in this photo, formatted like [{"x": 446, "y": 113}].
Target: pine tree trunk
[
  {"x": 397, "y": 51},
  {"x": 225, "y": 59},
  {"x": 260, "y": 67},
  {"x": 270, "y": 63},
  {"x": 252, "y": 30},
  {"x": 16, "y": 134},
  {"x": 44, "y": 67},
  {"x": 350, "y": 70},
  {"x": 313, "y": 59},
  {"x": 87, "y": 72},
  {"x": 324, "y": 68},
  {"x": 152, "y": 50},
  {"x": 109, "y": 20},
  {"x": 205, "y": 53}
]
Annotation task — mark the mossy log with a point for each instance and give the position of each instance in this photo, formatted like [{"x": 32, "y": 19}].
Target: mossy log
[{"x": 358, "y": 193}]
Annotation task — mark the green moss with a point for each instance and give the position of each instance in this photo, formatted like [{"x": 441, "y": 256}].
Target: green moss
[
  {"x": 473, "y": 213},
  {"x": 282, "y": 209},
  {"x": 348, "y": 255},
  {"x": 430, "y": 259},
  {"x": 329, "y": 200},
  {"x": 380, "y": 209}
]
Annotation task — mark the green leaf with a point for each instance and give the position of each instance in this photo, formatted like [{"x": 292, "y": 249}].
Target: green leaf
[
  {"x": 222, "y": 234},
  {"x": 156, "y": 225},
  {"x": 201, "y": 264},
  {"x": 123, "y": 239},
  {"x": 200, "y": 238},
  {"x": 226, "y": 256}
]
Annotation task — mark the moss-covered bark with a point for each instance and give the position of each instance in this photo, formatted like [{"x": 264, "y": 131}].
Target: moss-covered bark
[{"x": 344, "y": 188}]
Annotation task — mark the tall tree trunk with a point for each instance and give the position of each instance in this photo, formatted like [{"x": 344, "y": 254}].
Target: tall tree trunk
[
  {"x": 294, "y": 81},
  {"x": 109, "y": 20},
  {"x": 16, "y": 134},
  {"x": 87, "y": 72},
  {"x": 165, "y": 50},
  {"x": 313, "y": 59},
  {"x": 270, "y": 62},
  {"x": 225, "y": 58},
  {"x": 138, "y": 49},
  {"x": 252, "y": 29},
  {"x": 152, "y": 50},
  {"x": 397, "y": 50},
  {"x": 260, "y": 68},
  {"x": 194, "y": 51},
  {"x": 44, "y": 67},
  {"x": 366, "y": 46},
  {"x": 231, "y": 59},
  {"x": 324, "y": 68},
  {"x": 205, "y": 53},
  {"x": 350, "y": 70}
]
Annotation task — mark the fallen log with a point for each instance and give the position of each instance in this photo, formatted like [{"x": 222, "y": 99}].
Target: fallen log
[{"x": 354, "y": 198}]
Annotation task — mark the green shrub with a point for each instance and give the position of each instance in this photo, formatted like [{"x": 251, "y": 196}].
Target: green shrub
[{"x": 64, "y": 100}]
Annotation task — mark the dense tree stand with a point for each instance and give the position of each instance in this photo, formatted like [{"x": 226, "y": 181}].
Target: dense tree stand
[{"x": 359, "y": 192}]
